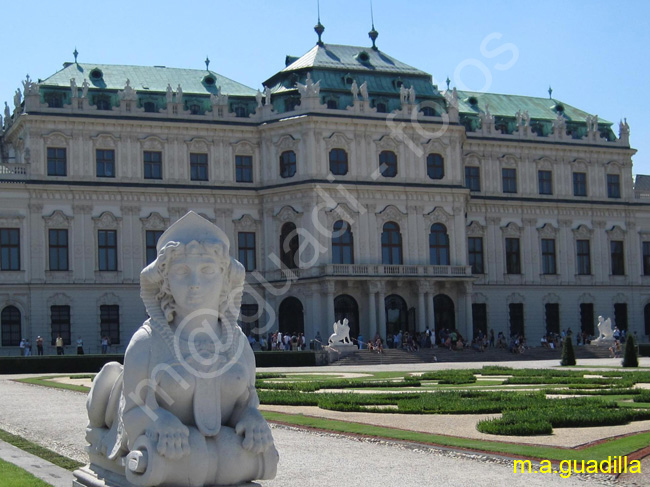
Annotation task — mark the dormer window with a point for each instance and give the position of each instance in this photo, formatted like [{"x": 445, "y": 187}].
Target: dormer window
[
  {"x": 381, "y": 107},
  {"x": 96, "y": 74},
  {"x": 363, "y": 57},
  {"x": 209, "y": 80},
  {"x": 332, "y": 104},
  {"x": 195, "y": 109}
]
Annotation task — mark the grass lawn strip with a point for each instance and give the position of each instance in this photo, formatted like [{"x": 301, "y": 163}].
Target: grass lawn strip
[
  {"x": 13, "y": 476},
  {"x": 600, "y": 451},
  {"x": 39, "y": 451}
]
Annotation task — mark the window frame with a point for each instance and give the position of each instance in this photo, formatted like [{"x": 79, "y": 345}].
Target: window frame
[
  {"x": 509, "y": 180},
  {"x": 614, "y": 186},
  {"x": 58, "y": 253},
  {"x": 439, "y": 252},
  {"x": 388, "y": 163},
  {"x": 199, "y": 166},
  {"x": 549, "y": 256},
  {"x": 57, "y": 161},
  {"x": 579, "y": 186},
  {"x": 435, "y": 166},
  {"x": 336, "y": 161},
  {"x": 153, "y": 168},
  {"x": 61, "y": 323},
  {"x": 109, "y": 322},
  {"x": 583, "y": 257},
  {"x": 103, "y": 162},
  {"x": 545, "y": 182},
  {"x": 392, "y": 245},
  {"x": 246, "y": 252},
  {"x": 475, "y": 255},
  {"x": 288, "y": 163},
  {"x": 342, "y": 243},
  {"x": 473, "y": 178},
  {"x": 9, "y": 250},
  {"x": 243, "y": 168},
  {"x": 645, "y": 256},
  {"x": 10, "y": 326},
  {"x": 513, "y": 255},
  {"x": 617, "y": 257},
  {"x": 151, "y": 238},
  {"x": 106, "y": 250}
]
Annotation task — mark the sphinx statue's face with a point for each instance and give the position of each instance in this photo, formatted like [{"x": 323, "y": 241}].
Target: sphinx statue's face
[{"x": 195, "y": 281}]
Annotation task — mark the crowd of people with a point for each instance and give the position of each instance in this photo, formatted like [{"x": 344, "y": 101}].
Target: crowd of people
[{"x": 25, "y": 346}]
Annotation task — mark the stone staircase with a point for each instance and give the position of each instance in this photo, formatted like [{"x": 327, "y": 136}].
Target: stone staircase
[{"x": 442, "y": 355}]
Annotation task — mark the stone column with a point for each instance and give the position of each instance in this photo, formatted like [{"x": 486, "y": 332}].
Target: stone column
[
  {"x": 565, "y": 253},
  {"x": 84, "y": 248},
  {"x": 634, "y": 260},
  {"x": 422, "y": 320},
  {"x": 372, "y": 310},
  {"x": 469, "y": 321},
  {"x": 529, "y": 249},
  {"x": 601, "y": 265},
  {"x": 328, "y": 289},
  {"x": 431, "y": 317},
  {"x": 493, "y": 250},
  {"x": 37, "y": 243}
]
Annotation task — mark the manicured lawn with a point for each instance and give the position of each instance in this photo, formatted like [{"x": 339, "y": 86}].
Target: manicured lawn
[
  {"x": 39, "y": 451},
  {"x": 12, "y": 476}
]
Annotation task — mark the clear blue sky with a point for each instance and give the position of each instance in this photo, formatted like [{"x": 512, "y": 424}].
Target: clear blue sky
[{"x": 593, "y": 53}]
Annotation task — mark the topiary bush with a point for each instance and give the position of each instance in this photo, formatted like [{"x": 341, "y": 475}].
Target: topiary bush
[
  {"x": 568, "y": 354},
  {"x": 630, "y": 358}
]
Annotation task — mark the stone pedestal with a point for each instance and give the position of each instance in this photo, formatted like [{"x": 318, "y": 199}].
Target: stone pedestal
[{"x": 337, "y": 351}]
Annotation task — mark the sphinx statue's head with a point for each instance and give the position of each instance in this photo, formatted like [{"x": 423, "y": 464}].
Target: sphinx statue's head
[{"x": 191, "y": 247}]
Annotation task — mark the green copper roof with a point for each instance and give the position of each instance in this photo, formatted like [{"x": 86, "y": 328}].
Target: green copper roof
[
  {"x": 508, "y": 105},
  {"x": 350, "y": 58},
  {"x": 147, "y": 78}
]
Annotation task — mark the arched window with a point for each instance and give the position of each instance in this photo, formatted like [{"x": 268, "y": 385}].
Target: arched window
[
  {"x": 438, "y": 245},
  {"x": 338, "y": 162},
  {"x": 428, "y": 111},
  {"x": 391, "y": 244},
  {"x": 388, "y": 164},
  {"x": 149, "y": 107},
  {"x": 103, "y": 102},
  {"x": 287, "y": 164},
  {"x": 289, "y": 246},
  {"x": 342, "y": 243},
  {"x": 381, "y": 107},
  {"x": 435, "y": 166},
  {"x": 396, "y": 314},
  {"x": 10, "y": 320},
  {"x": 332, "y": 104}
]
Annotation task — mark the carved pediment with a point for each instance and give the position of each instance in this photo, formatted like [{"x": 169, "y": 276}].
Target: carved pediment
[
  {"x": 586, "y": 298},
  {"x": 619, "y": 298},
  {"x": 386, "y": 142},
  {"x": 56, "y": 139},
  {"x": 11, "y": 220},
  {"x": 106, "y": 220},
  {"x": 57, "y": 219},
  {"x": 152, "y": 143},
  {"x": 479, "y": 298},
  {"x": 246, "y": 223},
  {"x": 616, "y": 233},
  {"x": 287, "y": 214},
  {"x": 579, "y": 164},
  {"x": 154, "y": 221},
  {"x": 545, "y": 163},
  {"x": 287, "y": 142},
  {"x": 547, "y": 231},
  {"x": 59, "y": 299},
  {"x": 472, "y": 158},
  {"x": 475, "y": 229},
  {"x": 105, "y": 141},
  {"x": 244, "y": 147},
  {"x": 436, "y": 145},
  {"x": 515, "y": 298},
  {"x": 511, "y": 230},
  {"x": 108, "y": 299},
  {"x": 438, "y": 215},
  {"x": 390, "y": 213},
  {"x": 583, "y": 232},
  {"x": 337, "y": 140},
  {"x": 198, "y": 144},
  {"x": 509, "y": 160},
  {"x": 341, "y": 212},
  {"x": 551, "y": 298}
]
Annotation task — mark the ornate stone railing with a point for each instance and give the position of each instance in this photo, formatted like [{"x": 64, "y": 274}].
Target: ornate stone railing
[
  {"x": 9, "y": 171},
  {"x": 363, "y": 270}
]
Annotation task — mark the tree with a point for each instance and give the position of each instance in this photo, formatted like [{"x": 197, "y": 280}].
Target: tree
[
  {"x": 630, "y": 358},
  {"x": 568, "y": 355}
]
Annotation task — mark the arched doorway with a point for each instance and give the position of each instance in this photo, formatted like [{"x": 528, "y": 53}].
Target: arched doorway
[
  {"x": 396, "y": 314},
  {"x": 289, "y": 245},
  {"x": 345, "y": 306},
  {"x": 10, "y": 324},
  {"x": 445, "y": 313},
  {"x": 291, "y": 318}
]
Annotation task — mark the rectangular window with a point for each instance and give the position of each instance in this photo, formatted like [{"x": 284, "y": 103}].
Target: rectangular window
[
  {"x": 587, "y": 318},
  {"x": 548, "y": 256},
  {"x": 60, "y": 324},
  {"x": 475, "y": 248},
  {"x": 584, "y": 257},
  {"x": 105, "y": 160},
  {"x": 613, "y": 186},
  {"x": 199, "y": 167},
  {"x": 244, "y": 169},
  {"x": 545, "y": 179},
  {"x": 479, "y": 318},
  {"x": 152, "y": 165},
  {"x": 151, "y": 239},
  {"x": 58, "y": 240},
  {"x": 246, "y": 246},
  {"x": 56, "y": 162},
  {"x": 509, "y": 180},
  {"x": 472, "y": 178},
  {"x": 513, "y": 257},
  {"x": 109, "y": 322},
  {"x": 516, "y": 312},
  {"x": 552, "y": 311},
  {"x": 579, "y": 184},
  {"x": 646, "y": 258},
  {"x": 10, "y": 249},
  {"x": 107, "y": 250},
  {"x": 618, "y": 258}
]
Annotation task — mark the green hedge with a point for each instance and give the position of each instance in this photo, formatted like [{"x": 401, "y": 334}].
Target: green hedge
[{"x": 63, "y": 364}]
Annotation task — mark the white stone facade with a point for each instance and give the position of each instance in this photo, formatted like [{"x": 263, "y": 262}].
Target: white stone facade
[{"x": 128, "y": 205}]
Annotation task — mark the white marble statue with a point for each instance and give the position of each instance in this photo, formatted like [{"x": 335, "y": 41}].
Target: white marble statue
[
  {"x": 84, "y": 89},
  {"x": 258, "y": 98},
  {"x": 341, "y": 333},
  {"x": 364, "y": 91},
  {"x": 605, "y": 333},
  {"x": 169, "y": 94},
  {"x": 354, "y": 89},
  {"x": 183, "y": 409},
  {"x": 74, "y": 91}
]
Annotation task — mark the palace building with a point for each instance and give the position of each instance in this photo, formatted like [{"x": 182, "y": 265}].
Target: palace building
[{"x": 351, "y": 186}]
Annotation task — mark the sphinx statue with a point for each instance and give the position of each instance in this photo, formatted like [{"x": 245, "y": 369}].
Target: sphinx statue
[
  {"x": 605, "y": 334},
  {"x": 183, "y": 410},
  {"x": 341, "y": 333}
]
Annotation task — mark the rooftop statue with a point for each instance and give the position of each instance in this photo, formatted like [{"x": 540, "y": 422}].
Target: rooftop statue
[{"x": 183, "y": 409}]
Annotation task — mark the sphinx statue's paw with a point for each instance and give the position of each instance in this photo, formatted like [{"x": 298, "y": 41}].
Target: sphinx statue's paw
[
  {"x": 256, "y": 432},
  {"x": 171, "y": 437}
]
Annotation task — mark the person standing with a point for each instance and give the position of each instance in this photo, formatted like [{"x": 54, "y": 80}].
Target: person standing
[
  {"x": 22, "y": 347},
  {"x": 104, "y": 344},
  {"x": 39, "y": 345},
  {"x": 80, "y": 346},
  {"x": 28, "y": 348},
  {"x": 59, "y": 345}
]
